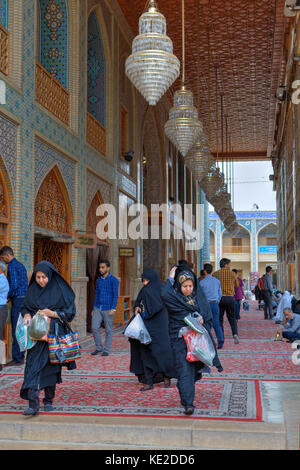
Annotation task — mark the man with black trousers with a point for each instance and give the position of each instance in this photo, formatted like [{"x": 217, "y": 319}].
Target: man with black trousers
[
  {"x": 228, "y": 282},
  {"x": 267, "y": 293}
]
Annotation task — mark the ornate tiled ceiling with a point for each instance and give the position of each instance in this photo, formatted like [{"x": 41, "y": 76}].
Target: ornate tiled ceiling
[{"x": 239, "y": 45}]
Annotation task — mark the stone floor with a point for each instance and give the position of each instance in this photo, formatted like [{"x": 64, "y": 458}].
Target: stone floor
[{"x": 257, "y": 360}]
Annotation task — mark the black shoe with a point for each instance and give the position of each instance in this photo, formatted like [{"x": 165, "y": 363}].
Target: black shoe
[
  {"x": 145, "y": 388},
  {"x": 48, "y": 407},
  {"x": 105, "y": 354},
  {"x": 95, "y": 353},
  {"x": 1, "y": 367},
  {"x": 220, "y": 346},
  {"x": 14, "y": 363},
  {"x": 30, "y": 412},
  {"x": 167, "y": 382},
  {"x": 189, "y": 410}
]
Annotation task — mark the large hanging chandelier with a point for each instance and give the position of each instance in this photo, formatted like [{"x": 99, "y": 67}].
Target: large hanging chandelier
[
  {"x": 199, "y": 158},
  {"x": 183, "y": 127},
  {"x": 152, "y": 67},
  {"x": 212, "y": 182}
]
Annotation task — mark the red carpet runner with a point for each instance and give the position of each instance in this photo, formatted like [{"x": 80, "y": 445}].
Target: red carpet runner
[{"x": 104, "y": 385}]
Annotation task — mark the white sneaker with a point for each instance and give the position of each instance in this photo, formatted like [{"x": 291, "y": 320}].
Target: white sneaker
[{"x": 236, "y": 339}]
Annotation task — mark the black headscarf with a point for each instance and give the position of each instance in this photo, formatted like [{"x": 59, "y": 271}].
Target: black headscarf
[
  {"x": 57, "y": 295},
  {"x": 149, "y": 295}
]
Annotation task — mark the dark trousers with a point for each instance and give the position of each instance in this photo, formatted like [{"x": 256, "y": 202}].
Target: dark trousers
[
  {"x": 237, "y": 309},
  {"x": 215, "y": 310},
  {"x": 186, "y": 373},
  {"x": 3, "y": 316},
  {"x": 291, "y": 335},
  {"x": 227, "y": 304},
  {"x": 268, "y": 307},
  {"x": 17, "y": 303},
  {"x": 34, "y": 397}
]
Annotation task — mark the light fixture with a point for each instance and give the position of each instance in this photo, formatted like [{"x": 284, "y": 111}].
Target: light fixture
[
  {"x": 183, "y": 127},
  {"x": 152, "y": 67},
  {"x": 199, "y": 159},
  {"x": 129, "y": 155}
]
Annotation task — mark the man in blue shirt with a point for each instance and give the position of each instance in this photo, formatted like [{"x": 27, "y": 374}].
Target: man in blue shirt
[
  {"x": 18, "y": 284},
  {"x": 4, "y": 288},
  {"x": 107, "y": 291},
  {"x": 213, "y": 291},
  {"x": 291, "y": 324}
]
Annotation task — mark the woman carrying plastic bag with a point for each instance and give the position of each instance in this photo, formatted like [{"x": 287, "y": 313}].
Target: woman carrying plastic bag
[{"x": 137, "y": 330}]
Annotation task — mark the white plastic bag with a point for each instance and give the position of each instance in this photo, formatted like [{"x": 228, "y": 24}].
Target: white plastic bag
[
  {"x": 22, "y": 335},
  {"x": 200, "y": 346},
  {"x": 137, "y": 330}
]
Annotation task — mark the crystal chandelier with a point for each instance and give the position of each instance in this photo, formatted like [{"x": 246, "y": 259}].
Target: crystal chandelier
[
  {"x": 183, "y": 127},
  {"x": 199, "y": 159},
  {"x": 212, "y": 182},
  {"x": 152, "y": 67}
]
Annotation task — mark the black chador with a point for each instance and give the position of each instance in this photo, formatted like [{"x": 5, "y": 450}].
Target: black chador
[
  {"x": 154, "y": 362},
  {"x": 58, "y": 296},
  {"x": 179, "y": 306}
]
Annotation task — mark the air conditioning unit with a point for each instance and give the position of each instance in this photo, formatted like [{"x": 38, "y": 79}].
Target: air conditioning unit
[{"x": 291, "y": 7}]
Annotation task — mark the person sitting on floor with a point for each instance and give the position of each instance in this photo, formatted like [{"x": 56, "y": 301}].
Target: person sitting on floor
[{"x": 291, "y": 324}]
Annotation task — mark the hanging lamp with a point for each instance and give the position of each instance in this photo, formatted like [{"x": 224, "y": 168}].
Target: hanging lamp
[
  {"x": 152, "y": 67},
  {"x": 183, "y": 127}
]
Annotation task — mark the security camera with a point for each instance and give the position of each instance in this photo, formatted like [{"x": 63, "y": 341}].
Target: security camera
[
  {"x": 291, "y": 7},
  {"x": 281, "y": 93},
  {"x": 129, "y": 155}
]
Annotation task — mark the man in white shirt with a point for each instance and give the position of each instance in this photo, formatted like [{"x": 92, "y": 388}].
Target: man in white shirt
[{"x": 4, "y": 288}]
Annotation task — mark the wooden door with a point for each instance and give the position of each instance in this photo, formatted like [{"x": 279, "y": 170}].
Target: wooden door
[
  {"x": 56, "y": 253},
  {"x": 236, "y": 245},
  {"x": 122, "y": 275}
]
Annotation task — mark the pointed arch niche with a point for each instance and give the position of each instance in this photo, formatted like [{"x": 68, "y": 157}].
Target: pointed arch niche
[
  {"x": 94, "y": 255},
  {"x": 53, "y": 223},
  {"x": 4, "y": 211}
]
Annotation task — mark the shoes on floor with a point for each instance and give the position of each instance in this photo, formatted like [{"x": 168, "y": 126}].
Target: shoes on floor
[
  {"x": 167, "y": 383},
  {"x": 146, "y": 387},
  {"x": 105, "y": 354},
  {"x": 1, "y": 367},
  {"x": 236, "y": 339},
  {"x": 94, "y": 353},
  {"x": 48, "y": 407},
  {"x": 189, "y": 410},
  {"x": 30, "y": 412},
  {"x": 220, "y": 345},
  {"x": 15, "y": 363}
]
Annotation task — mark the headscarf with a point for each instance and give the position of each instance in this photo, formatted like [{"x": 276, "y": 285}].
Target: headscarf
[
  {"x": 149, "y": 299},
  {"x": 57, "y": 295},
  {"x": 180, "y": 277}
]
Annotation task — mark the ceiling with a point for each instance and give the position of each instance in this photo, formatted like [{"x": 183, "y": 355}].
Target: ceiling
[{"x": 234, "y": 52}]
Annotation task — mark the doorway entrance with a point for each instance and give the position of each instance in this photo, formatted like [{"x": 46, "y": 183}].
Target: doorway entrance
[{"x": 55, "y": 252}]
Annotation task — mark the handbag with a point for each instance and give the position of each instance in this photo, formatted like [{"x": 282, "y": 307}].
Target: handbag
[{"x": 64, "y": 348}]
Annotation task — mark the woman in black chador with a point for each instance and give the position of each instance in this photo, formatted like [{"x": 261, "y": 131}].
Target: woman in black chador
[
  {"x": 154, "y": 362},
  {"x": 182, "y": 296},
  {"x": 50, "y": 295}
]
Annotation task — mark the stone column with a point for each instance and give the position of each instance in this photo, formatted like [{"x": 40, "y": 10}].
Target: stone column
[{"x": 254, "y": 254}]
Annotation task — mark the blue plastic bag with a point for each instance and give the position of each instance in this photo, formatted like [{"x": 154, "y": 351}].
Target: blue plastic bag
[{"x": 22, "y": 335}]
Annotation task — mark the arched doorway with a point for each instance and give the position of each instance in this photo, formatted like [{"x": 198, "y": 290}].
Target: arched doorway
[
  {"x": 238, "y": 250},
  {"x": 4, "y": 212},
  {"x": 53, "y": 224},
  {"x": 94, "y": 255},
  {"x": 267, "y": 253}
]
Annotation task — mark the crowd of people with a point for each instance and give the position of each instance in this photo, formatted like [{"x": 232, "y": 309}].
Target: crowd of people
[{"x": 163, "y": 307}]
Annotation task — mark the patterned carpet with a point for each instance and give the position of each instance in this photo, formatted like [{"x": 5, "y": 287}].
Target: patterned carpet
[{"x": 104, "y": 385}]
